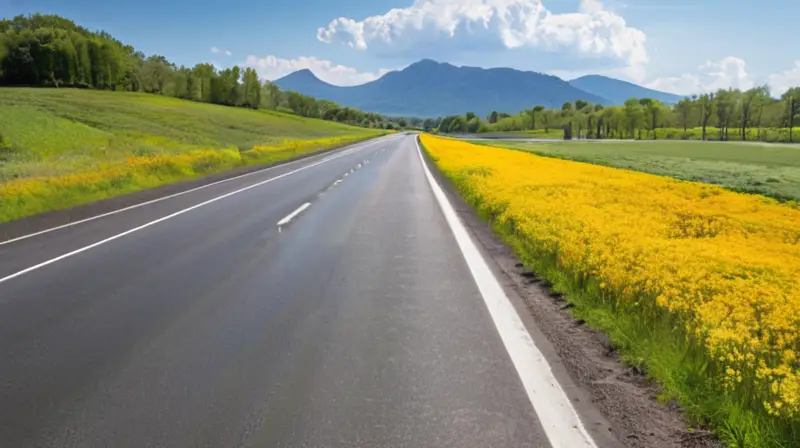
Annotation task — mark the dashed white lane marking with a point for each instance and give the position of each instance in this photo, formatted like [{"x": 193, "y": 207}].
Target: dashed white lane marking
[
  {"x": 178, "y": 213},
  {"x": 75, "y": 223},
  {"x": 558, "y": 417},
  {"x": 293, "y": 215},
  {"x": 358, "y": 167}
]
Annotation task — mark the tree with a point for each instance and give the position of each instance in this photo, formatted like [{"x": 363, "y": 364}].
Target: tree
[
  {"x": 534, "y": 111},
  {"x": 580, "y": 104},
  {"x": 707, "y": 103},
  {"x": 251, "y": 89},
  {"x": 469, "y": 116},
  {"x": 751, "y": 98},
  {"x": 634, "y": 116},
  {"x": 725, "y": 102},
  {"x": 792, "y": 100},
  {"x": 493, "y": 117},
  {"x": 684, "y": 107},
  {"x": 545, "y": 119},
  {"x": 155, "y": 73},
  {"x": 652, "y": 109},
  {"x": 458, "y": 124},
  {"x": 597, "y": 114},
  {"x": 473, "y": 125}
]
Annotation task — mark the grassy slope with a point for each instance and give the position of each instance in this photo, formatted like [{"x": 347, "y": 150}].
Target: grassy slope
[
  {"x": 768, "y": 169},
  {"x": 59, "y": 131},
  {"x": 64, "y": 147}
]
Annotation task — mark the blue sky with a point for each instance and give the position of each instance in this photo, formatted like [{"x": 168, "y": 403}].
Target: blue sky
[{"x": 684, "y": 46}]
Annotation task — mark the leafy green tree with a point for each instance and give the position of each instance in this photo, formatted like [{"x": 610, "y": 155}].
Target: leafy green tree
[
  {"x": 707, "y": 104},
  {"x": 684, "y": 108},
  {"x": 634, "y": 116},
  {"x": 653, "y": 110},
  {"x": 458, "y": 124},
  {"x": 792, "y": 101},
  {"x": 493, "y": 117},
  {"x": 725, "y": 106},
  {"x": 750, "y": 99},
  {"x": 536, "y": 110}
]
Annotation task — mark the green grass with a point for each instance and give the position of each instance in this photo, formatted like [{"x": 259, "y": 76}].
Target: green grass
[
  {"x": 759, "y": 168},
  {"x": 556, "y": 134},
  {"x": 66, "y": 147},
  {"x": 47, "y": 132}
]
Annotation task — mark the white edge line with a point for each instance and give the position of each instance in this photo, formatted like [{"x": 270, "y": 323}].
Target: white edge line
[
  {"x": 153, "y": 201},
  {"x": 558, "y": 417},
  {"x": 294, "y": 214},
  {"x": 170, "y": 216}
]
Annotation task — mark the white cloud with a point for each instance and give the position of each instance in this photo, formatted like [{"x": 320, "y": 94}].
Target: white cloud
[
  {"x": 271, "y": 68},
  {"x": 711, "y": 76},
  {"x": 593, "y": 32},
  {"x": 781, "y": 82},
  {"x": 216, "y": 50}
]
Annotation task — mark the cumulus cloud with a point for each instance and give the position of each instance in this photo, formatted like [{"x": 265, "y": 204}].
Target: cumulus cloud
[
  {"x": 726, "y": 73},
  {"x": 271, "y": 68},
  {"x": 591, "y": 32},
  {"x": 781, "y": 82},
  {"x": 216, "y": 50}
]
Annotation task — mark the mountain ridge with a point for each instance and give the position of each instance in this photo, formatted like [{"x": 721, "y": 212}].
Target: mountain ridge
[
  {"x": 429, "y": 88},
  {"x": 618, "y": 91}
]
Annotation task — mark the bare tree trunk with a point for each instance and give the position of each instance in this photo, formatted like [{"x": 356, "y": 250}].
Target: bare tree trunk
[{"x": 705, "y": 121}]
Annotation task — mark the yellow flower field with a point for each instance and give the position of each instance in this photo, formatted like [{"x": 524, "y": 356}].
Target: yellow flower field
[{"x": 725, "y": 266}]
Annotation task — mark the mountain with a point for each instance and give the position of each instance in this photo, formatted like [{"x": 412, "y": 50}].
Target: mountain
[
  {"x": 428, "y": 88},
  {"x": 618, "y": 91}
]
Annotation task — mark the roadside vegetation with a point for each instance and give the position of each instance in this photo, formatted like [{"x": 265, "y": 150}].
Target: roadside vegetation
[
  {"x": 696, "y": 285},
  {"x": 751, "y": 115},
  {"x": 65, "y": 147},
  {"x": 760, "y": 168}
]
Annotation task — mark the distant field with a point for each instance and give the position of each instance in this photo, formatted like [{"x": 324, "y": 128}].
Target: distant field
[
  {"x": 63, "y": 147},
  {"x": 761, "y": 168}
]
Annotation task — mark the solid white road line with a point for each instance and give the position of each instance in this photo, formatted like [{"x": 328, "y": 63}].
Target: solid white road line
[
  {"x": 558, "y": 417},
  {"x": 178, "y": 213},
  {"x": 293, "y": 215},
  {"x": 355, "y": 146}
]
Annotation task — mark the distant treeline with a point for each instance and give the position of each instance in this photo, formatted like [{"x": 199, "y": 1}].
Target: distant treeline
[
  {"x": 51, "y": 51},
  {"x": 723, "y": 115}
]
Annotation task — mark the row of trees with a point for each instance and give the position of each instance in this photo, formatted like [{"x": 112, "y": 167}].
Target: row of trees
[
  {"x": 51, "y": 51},
  {"x": 747, "y": 113}
]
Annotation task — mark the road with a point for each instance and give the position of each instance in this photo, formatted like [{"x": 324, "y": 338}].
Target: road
[{"x": 197, "y": 321}]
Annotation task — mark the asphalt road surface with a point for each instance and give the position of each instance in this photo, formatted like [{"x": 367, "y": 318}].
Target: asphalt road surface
[{"x": 197, "y": 321}]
